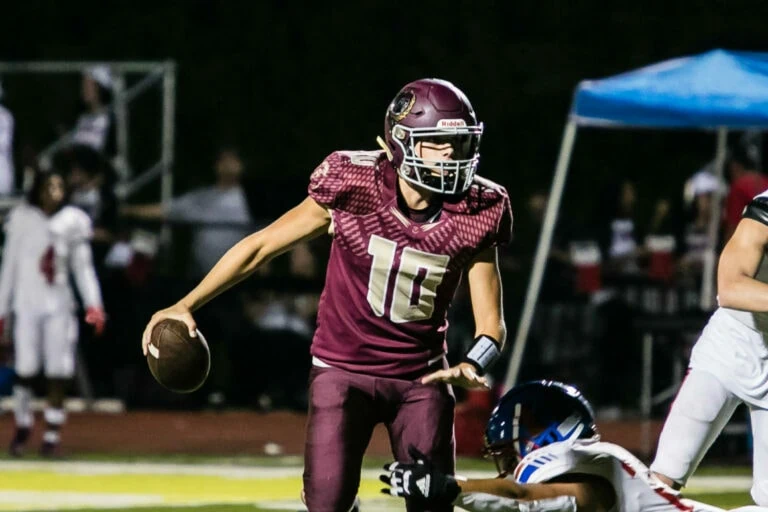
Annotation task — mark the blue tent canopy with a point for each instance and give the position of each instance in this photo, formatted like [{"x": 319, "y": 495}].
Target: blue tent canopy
[{"x": 715, "y": 89}]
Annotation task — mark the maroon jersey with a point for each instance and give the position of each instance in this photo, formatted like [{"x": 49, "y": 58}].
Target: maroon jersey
[{"x": 390, "y": 281}]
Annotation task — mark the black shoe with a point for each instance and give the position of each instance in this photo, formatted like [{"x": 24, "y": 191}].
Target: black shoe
[{"x": 16, "y": 448}]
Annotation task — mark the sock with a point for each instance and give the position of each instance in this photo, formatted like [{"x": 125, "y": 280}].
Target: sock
[
  {"x": 54, "y": 419},
  {"x": 22, "y": 408}
]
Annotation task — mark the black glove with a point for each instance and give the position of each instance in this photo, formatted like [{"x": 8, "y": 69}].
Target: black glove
[{"x": 419, "y": 481}]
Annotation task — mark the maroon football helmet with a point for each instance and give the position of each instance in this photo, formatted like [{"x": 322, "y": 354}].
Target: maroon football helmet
[{"x": 432, "y": 110}]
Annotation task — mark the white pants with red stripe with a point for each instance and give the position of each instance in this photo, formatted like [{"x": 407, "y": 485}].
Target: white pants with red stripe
[
  {"x": 700, "y": 411},
  {"x": 47, "y": 340}
]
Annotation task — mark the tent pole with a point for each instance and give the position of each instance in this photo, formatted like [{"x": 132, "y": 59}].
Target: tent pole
[
  {"x": 708, "y": 281},
  {"x": 542, "y": 251}
]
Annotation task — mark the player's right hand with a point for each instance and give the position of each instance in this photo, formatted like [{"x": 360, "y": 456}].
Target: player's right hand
[
  {"x": 463, "y": 375},
  {"x": 419, "y": 481},
  {"x": 176, "y": 312}
]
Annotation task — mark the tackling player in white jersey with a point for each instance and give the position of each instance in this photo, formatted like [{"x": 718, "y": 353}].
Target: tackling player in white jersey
[
  {"x": 46, "y": 240},
  {"x": 543, "y": 438},
  {"x": 729, "y": 362}
]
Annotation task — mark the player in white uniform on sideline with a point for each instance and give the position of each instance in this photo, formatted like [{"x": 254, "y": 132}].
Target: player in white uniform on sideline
[
  {"x": 45, "y": 241},
  {"x": 547, "y": 449},
  {"x": 729, "y": 362}
]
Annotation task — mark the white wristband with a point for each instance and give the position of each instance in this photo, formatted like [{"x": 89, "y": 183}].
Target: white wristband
[{"x": 483, "y": 353}]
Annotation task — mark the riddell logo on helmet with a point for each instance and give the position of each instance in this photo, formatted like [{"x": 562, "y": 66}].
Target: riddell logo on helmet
[{"x": 451, "y": 123}]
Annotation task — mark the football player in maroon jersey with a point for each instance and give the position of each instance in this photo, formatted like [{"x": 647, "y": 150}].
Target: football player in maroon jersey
[{"x": 407, "y": 221}]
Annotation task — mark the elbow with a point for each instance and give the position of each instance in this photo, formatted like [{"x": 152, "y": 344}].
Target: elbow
[
  {"x": 727, "y": 292},
  {"x": 501, "y": 334},
  {"x": 256, "y": 253},
  {"x": 726, "y": 296}
]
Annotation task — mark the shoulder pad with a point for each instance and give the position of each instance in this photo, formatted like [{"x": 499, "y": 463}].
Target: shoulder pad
[
  {"x": 348, "y": 180},
  {"x": 544, "y": 464},
  {"x": 73, "y": 222},
  {"x": 14, "y": 216},
  {"x": 482, "y": 195},
  {"x": 485, "y": 207},
  {"x": 581, "y": 456}
]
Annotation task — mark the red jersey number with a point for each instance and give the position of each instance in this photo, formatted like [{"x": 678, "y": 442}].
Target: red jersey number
[{"x": 48, "y": 264}]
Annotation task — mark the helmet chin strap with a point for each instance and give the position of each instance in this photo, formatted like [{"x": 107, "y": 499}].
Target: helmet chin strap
[{"x": 384, "y": 146}]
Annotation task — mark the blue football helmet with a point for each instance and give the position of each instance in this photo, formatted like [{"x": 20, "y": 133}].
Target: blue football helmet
[{"x": 533, "y": 415}]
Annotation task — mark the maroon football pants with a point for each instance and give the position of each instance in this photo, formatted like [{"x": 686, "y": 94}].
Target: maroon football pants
[{"x": 344, "y": 408}]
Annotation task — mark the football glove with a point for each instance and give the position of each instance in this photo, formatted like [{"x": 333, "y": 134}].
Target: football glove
[
  {"x": 95, "y": 316},
  {"x": 419, "y": 481}
]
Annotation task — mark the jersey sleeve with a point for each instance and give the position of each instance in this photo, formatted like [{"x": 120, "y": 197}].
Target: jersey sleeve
[
  {"x": 499, "y": 215},
  {"x": 757, "y": 209},
  {"x": 325, "y": 183},
  {"x": 82, "y": 228},
  {"x": 81, "y": 264}
]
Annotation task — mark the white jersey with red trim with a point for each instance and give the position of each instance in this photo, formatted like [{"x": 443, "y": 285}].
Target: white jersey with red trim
[
  {"x": 39, "y": 255},
  {"x": 636, "y": 489}
]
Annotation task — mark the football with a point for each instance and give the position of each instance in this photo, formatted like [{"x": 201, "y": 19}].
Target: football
[{"x": 178, "y": 362}]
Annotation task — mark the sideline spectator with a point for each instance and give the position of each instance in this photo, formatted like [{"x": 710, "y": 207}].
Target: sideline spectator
[
  {"x": 218, "y": 213},
  {"x": 95, "y": 127},
  {"x": 618, "y": 236},
  {"x": 700, "y": 192}
]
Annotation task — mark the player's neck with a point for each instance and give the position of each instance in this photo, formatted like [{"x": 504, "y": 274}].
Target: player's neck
[
  {"x": 48, "y": 210},
  {"x": 415, "y": 198},
  {"x": 226, "y": 184}
]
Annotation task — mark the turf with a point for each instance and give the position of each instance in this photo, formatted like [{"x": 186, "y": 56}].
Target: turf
[{"x": 143, "y": 484}]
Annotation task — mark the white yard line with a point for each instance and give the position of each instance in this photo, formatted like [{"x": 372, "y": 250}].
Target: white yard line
[
  {"x": 701, "y": 483},
  {"x": 27, "y": 500},
  {"x": 144, "y": 468}
]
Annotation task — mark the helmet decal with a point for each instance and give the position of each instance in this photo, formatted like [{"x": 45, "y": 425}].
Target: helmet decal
[{"x": 402, "y": 105}]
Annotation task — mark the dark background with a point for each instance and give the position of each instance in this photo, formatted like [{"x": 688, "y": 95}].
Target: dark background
[{"x": 290, "y": 82}]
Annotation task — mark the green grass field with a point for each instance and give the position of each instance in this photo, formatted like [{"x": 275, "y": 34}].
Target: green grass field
[{"x": 178, "y": 484}]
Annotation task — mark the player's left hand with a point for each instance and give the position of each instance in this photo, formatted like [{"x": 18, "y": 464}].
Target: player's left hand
[
  {"x": 463, "y": 375},
  {"x": 419, "y": 481},
  {"x": 95, "y": 316}
]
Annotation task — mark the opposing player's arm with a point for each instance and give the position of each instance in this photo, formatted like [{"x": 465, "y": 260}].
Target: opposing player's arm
[
  {"x": 581, "y": 494},
  {"x": 84, "y": 272},
  {"x": 422, "y": 483},
  {"x": 81, "y": 264},
  {"x": 303, "y": 222},
  {"x": 736, "y": 284}
]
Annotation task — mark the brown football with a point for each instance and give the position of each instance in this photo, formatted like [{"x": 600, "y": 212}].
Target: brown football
[{"x": 178, "y": 361}]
